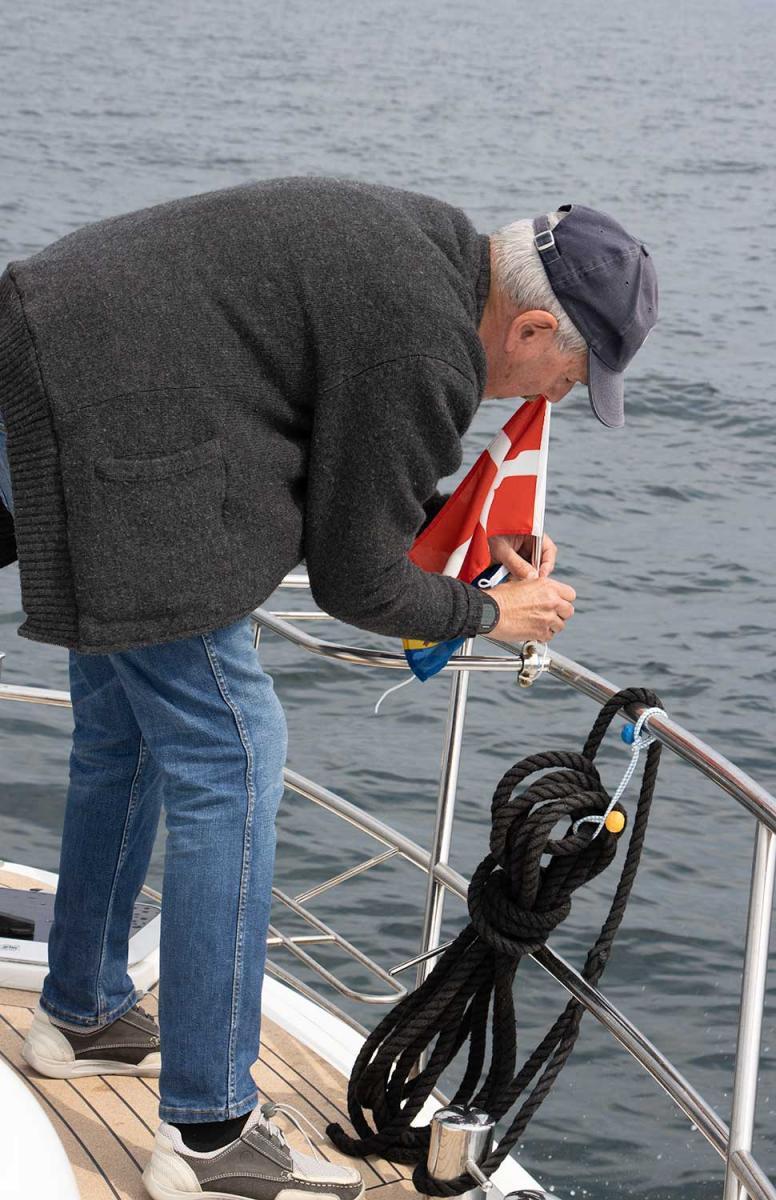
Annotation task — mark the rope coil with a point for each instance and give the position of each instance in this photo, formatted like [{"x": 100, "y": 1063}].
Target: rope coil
[{"x": 515, "y": 902}]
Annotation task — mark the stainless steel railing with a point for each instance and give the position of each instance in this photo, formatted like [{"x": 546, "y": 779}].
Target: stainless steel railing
[
  {"x": 741, "y": 1172},
  {"x": 743, "y": 1175}
]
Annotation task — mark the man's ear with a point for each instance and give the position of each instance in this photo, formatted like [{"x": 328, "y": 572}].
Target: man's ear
[{"x": 526, "y": 325}]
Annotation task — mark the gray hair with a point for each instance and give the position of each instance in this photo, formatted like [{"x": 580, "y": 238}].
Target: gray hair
[{"x": 520, "y": 275}]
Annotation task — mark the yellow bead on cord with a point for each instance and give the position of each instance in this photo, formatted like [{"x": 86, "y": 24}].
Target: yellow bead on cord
[{"x": 612, "y": 820}]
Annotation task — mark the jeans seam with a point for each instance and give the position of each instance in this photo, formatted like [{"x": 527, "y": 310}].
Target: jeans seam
[
  {"x": 54, "y": 1011},
  {"x": 141, "y": 758},
  {"x": 178, "y": 1113},
  {"x": 223, "y": 688}
]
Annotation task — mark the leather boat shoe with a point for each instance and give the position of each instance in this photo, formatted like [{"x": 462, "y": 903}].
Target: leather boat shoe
[
  {"x": 128, "y": 1046},
  {"x": 258, "y": 1165}
]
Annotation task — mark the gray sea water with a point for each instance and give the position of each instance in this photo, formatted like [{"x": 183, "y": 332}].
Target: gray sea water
[{"x": 664, "y": 115}]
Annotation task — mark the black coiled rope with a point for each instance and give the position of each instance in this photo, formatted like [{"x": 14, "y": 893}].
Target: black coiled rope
[{"x": 514, "y": 904}]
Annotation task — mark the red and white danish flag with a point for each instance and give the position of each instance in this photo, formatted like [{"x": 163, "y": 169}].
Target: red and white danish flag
[{"x": 503, "y": 493}]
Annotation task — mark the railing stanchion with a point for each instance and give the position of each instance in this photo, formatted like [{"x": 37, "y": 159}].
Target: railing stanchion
[
  {"x": 750, "y": 1016},
  {"x": 445, "y": 811}
]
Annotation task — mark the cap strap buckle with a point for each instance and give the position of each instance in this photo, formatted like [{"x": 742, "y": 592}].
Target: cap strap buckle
[{"x": 544, "y": 239}]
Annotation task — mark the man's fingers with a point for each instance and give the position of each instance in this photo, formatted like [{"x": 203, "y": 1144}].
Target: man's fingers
[
  {"x": 549, "y": 556},
  {"x": 517, "y": 566},
  {"x": 565, "y": 610}
]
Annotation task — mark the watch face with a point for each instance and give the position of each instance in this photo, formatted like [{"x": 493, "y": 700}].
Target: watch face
[{"x": 490, "y": 615}]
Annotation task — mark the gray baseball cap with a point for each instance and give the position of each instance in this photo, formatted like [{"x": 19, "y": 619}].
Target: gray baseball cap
[{"x": 605, "y": 281}]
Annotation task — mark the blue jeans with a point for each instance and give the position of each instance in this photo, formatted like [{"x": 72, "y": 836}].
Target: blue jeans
[{"x": 194, "y": 725}]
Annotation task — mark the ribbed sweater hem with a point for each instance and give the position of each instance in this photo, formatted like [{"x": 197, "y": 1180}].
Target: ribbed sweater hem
[{"x": 40, "y": 516}]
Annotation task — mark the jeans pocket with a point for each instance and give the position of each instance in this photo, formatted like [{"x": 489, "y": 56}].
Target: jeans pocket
[{"x": 157, "y": 543}]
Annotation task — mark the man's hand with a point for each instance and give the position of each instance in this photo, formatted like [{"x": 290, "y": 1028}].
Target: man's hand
[
  {"x": 532, "y": 609},
  {"x": 514, "y": 552}
]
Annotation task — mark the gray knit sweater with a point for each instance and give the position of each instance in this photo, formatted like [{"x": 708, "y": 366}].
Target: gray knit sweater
[{"x": 202, "y": 394}]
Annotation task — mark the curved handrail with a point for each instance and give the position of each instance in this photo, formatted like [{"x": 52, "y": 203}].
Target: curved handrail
[
  {"x": 716, "y": 767},
  {"x": 362, "y": 656}
]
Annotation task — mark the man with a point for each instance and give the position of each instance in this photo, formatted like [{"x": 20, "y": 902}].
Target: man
[{"x": 197, "y": 396}]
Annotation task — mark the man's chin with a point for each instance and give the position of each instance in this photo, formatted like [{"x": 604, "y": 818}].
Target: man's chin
[{"x": 512, "y": 396}]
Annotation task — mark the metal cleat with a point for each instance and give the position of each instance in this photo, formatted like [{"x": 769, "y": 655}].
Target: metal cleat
[{"x": 461, "y": 1138}]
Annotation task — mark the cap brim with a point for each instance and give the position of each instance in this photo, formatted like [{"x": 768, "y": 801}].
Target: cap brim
[{"x": 607, "y": 392}]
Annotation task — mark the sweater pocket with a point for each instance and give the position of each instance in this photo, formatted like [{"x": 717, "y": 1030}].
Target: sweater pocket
[
  {"x": 157, "y": 543},
  {"x": 183, "y": 462}
]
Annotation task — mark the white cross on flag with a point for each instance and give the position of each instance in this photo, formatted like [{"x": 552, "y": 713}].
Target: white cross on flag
[{"x": 503, "y": 493}]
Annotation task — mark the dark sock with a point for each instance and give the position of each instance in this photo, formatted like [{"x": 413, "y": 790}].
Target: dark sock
[{"x": 211, "y": 1135}]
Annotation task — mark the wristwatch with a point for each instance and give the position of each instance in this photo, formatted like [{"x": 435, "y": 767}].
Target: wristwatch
[{"x": 491, "y": 614}]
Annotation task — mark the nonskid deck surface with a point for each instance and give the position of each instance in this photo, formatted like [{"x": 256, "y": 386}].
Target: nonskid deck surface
[{"x": 107, "y": 1124}]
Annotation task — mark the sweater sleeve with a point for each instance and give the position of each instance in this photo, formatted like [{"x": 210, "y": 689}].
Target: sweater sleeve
[{"x": 380, "y": 442}]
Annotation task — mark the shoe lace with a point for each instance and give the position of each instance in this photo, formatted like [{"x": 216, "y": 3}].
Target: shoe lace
[
  {"x": 139, "y": 1008},
  {"x": 270, "y": 1107}
]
